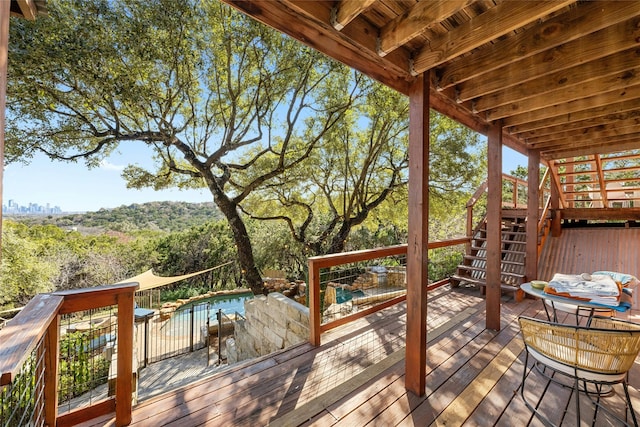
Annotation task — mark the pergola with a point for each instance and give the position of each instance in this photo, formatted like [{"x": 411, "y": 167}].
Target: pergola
[{"x": 551, "y": 79}]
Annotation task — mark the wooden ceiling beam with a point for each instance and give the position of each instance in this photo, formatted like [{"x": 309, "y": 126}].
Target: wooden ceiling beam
[
  {"x": 28, "y": 8},
  {"x": 582, "y": 124},
  {"x": 617, "y": 82},
  {"x": 612, "y": 112},
  {"x": 415, "y": 21},
  {"x": 594, "y": 72},
  {"x": 607, "y": 50},
  {"x": 494, "y": 23},
  {"x": 309, "y": 22},
  {"x": 346, "y": 11},
  {"x": 583, "y": 148},
  {"x": 597, "y": 100},
  {"x": 585, "y": 18},
  {"x": 593, "y": 133}
]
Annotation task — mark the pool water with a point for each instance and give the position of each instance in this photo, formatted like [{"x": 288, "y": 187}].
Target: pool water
[
  {"x": 229, "y": 304},
  {"x": 180, "y": 321}
]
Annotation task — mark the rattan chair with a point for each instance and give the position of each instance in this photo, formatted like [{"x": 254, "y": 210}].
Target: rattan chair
[{"x": 601, "y": 354}]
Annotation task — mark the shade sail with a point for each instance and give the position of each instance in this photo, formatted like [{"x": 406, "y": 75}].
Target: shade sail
[{"x": 148, "y": 280}]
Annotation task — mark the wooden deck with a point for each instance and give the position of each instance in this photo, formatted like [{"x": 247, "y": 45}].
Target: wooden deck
[{"x": 356, "y": 377}]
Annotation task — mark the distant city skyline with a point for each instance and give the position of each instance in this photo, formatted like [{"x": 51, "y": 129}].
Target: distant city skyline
[{"x": 14, "y": 207}]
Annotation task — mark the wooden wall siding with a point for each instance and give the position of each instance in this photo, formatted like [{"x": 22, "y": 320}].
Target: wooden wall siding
[{"x": 580, "y": 250}]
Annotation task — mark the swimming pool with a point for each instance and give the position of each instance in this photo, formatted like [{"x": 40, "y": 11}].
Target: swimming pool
[
  {"x": 229, "y": 304},
  {"x": 195, "y": 313}
]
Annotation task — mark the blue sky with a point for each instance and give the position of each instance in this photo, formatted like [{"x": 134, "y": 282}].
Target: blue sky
[{"x": 76, "y": 189}]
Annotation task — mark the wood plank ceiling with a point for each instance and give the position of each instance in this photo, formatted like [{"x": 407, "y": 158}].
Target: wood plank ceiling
[{"x": 562, "y": 76}]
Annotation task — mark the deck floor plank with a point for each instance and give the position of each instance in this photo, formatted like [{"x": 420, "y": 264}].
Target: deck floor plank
[{"x": 356, "y": 377}]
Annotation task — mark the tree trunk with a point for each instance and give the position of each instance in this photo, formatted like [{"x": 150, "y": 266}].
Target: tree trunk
[
  {"x": 338, "y": 242},
  {"x": 250, "y": 272}
]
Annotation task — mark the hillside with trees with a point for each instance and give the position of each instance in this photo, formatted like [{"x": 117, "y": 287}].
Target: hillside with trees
[{"x": 156, "y": 216}]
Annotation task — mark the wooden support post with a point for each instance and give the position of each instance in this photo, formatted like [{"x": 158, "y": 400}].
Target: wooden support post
[
  {"x": 533, "y": 213},
  {"x": 418, "y": 239},
  {"x": 51, "y": 357},
  {"x": 124, "y": 387},
  {"x": 314, "y": 303},
  {"x": 494, "y": 226}
]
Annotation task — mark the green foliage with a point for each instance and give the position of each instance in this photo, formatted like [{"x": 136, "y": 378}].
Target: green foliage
[
  {"x": 357, "y": 176},
  {"x": 25, "y": 268},
  {"x": 152, "y": 216},
  {"x": 444, "y": 261},
  {"x": 43, "y": 258},
  {"x": 173, "y": 293},
  {"x": 457, "y": 163},
  {"x": 198, "y": 248},
  {"x": 81, "y": 369},
  {"x": 520, "y": 172},
  {"x": 388, "y": 234},
  {"x": 276, "y": 249},
  {"x": 18, "y": 400}
]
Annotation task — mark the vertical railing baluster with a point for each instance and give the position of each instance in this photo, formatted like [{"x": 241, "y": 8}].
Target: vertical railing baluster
[
  {"x": 146, "y": 341},
  {"x": 192, "y": 311}
]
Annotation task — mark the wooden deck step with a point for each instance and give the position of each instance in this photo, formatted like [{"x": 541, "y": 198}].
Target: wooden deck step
[
  {"x": 484, "y": 259},
  {"x": 502, "y": 273},
  {"x": 481, "y": 282},
  {"x": 504, "y": 241}
]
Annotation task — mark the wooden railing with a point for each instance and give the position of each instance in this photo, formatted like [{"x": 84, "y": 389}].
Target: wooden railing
[
  {"x": 545, "y": 201},
  {"x": 599, "y": 181},
  {"x": 515, "y": 183},
  {"x": 37, "y": 328},
  {"x": 333, "y": 260}
]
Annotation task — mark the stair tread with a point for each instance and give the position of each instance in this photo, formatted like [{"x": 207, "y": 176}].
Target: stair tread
[
  {"x": 483, "y": 282},
  {"x": 518, "y": 242},
  {"x": 482, "y": 258},
  {"x": 504, "y": 251},
  {"x": 505, "y": 273}
]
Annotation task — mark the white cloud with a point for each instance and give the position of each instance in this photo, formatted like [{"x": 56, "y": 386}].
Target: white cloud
[{"x": 104, "y": 164}]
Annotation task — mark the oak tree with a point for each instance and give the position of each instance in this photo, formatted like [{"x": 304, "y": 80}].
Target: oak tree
[{"x": 208, "y": 91}]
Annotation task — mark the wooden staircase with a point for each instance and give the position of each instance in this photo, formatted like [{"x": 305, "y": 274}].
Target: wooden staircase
[{"x": 473, "y": 269}]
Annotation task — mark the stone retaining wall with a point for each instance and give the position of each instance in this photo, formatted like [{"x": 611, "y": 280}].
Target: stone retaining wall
[{"x": 272, "y": 323}]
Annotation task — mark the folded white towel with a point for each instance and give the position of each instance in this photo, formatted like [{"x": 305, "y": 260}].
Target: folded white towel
[{"x": 600, "y": 288}]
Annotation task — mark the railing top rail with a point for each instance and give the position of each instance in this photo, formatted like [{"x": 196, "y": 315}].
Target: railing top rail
[
  {"x": 354, "y": 256},
  {"x": 515, "y": 179},
  {"x": 323, "y": 261},
  {"x": 479, "y": 192},
  {"x": 101, "y": 296},
  {"x": 545, "y": 177},
  {"x": 22, "y": 334},
  {"x": 483, "y": 187}
]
